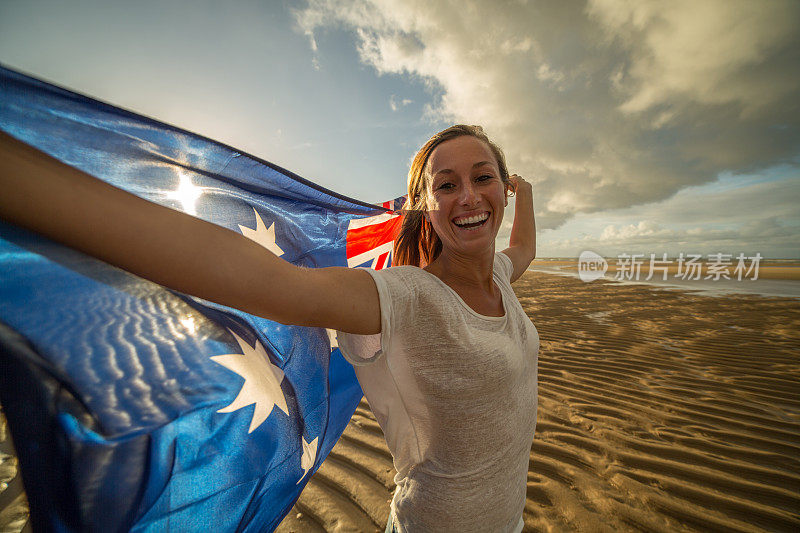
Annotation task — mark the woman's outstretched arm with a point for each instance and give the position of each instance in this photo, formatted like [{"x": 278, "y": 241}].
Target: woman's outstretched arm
[
  {"x": 170, "y": 248},
  {"x": 522, "y": 245}
]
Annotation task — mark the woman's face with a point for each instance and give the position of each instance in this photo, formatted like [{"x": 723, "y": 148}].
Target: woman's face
[{"x": 466, "y": 195}]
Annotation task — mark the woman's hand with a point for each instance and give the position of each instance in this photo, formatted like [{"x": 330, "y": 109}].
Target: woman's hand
[{"x": 519, "y": 185}]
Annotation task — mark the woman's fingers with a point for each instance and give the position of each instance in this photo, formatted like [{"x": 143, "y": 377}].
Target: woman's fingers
[
  {"x": 512, "y": 183},
  {"x": 518, "y": 183}
]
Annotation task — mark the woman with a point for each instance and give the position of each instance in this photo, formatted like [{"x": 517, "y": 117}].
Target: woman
[{"x": 445, "y": 354}]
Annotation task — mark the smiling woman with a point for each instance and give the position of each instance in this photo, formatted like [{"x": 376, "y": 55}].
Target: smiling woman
[
  {"x": 418, "y": 243},
  {"x": 466, "y": 196},
  {"x": 452, "y": 377}
]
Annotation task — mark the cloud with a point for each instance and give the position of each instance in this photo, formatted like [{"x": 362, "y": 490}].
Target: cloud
[
  {"x": 756, "y": 217},
  {"x": 703, "y": 52},
  {"x": 397, "y": 103},
  {"x": 647, "y": 237},
  {"x": 605, "y": 104}
]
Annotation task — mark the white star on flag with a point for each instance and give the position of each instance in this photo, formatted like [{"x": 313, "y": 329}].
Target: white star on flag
[
  {"x": 309, "y": 456},
  {"x": 262, "y": 381},
  {"x": 332, "y": 338},
  {"x": 262, "y": 235}
]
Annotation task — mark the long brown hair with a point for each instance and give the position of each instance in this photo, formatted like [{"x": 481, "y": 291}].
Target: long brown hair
[{"x": 417, "y": 243}]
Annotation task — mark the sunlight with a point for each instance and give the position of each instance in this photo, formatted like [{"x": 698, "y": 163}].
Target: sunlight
[
  {"x": 189, "y": 324},
  {"x": 187, "y": 194}
]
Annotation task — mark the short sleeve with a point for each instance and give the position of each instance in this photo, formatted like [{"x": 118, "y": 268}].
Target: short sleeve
[
  {"x": 394, "y": 296},
  {"x": 503, "y": 266}
]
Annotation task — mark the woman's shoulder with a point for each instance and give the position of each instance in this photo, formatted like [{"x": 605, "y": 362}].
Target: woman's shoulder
[
  {"x": 403, "y": 281},
  {"x": 406, "y": 273},
  {"x": 407, "y": 270}
]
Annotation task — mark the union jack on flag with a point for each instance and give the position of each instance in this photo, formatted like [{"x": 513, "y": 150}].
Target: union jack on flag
[{"x": 370, "y": 240}]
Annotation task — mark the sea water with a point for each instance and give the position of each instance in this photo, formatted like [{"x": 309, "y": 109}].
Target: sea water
[{"x": 763, "y": 287}]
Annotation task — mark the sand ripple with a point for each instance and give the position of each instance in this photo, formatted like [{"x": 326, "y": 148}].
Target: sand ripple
[{"x": 658, "y": 411}]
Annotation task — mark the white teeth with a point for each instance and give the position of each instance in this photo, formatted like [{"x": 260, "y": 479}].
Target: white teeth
[{"x": 471, "y": 220}]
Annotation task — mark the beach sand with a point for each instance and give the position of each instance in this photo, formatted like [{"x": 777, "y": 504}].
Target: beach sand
[{"x": 659, "y": 410}]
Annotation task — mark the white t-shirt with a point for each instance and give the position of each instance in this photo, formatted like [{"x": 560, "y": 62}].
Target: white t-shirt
[{"x": 455, "y": 393}]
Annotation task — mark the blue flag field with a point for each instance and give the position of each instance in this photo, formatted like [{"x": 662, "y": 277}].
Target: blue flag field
[{"x": 133, "y": 407}]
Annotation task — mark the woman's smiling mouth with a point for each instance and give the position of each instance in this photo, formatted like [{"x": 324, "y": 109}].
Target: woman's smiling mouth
[{"x": 471, "y": 221}]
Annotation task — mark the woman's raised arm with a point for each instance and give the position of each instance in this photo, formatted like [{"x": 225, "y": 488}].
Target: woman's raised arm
[
  {"x": 169, "y": 247},
  {"x": 522, "y": 244}
]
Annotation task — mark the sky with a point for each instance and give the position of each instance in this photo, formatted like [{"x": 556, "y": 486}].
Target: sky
[{"x": 644, "y": 127}]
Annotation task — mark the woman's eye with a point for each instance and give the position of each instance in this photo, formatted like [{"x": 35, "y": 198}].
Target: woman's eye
[
  {"x": 446, "y": 185},
  {"x": 485, "y": 177}
]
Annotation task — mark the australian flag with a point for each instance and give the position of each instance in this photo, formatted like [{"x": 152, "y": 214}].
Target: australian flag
[{"x": 133, "y": 407}]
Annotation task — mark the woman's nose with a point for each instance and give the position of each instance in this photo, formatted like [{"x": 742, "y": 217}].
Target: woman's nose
[{"x": 468, "y": 194}]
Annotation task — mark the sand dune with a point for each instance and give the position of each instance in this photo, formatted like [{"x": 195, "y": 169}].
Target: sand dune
[{"x": 658, "y": 411}]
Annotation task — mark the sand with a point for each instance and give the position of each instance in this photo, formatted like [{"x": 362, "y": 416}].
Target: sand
[{"x": 658, "y": 411}]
